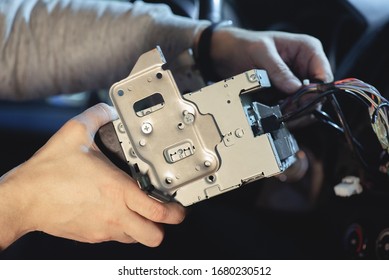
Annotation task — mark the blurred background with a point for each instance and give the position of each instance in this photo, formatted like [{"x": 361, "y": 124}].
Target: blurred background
[{"x": 295, "y": 217}]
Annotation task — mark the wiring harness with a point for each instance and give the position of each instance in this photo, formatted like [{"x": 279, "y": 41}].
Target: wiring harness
[{"x": 310, "y": 98}]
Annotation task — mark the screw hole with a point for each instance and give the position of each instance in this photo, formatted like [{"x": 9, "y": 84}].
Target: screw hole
[{"x": 211, "y": 178}]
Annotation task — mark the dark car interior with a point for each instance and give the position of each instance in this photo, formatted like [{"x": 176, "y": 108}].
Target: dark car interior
[{"x": 269, "y": 218}]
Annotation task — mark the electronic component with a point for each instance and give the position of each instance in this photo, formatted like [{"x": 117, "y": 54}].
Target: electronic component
[
  {"x": 194, "y": 146},
  {"x": 349, "y": 186}
]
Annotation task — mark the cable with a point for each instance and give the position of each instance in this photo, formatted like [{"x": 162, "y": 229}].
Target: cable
[
  {"x": 368, "y": 95},
  {"x": 347, "y": 131},
  {"x": 375, "y": 113},
  {"x": 326, "y": 119},
  {"x": 300, "y": 111}
]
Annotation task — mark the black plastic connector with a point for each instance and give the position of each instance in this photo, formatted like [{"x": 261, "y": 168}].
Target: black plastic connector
[{"x": 270, "y": 123}]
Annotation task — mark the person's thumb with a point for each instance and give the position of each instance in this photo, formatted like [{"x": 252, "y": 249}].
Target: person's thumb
[{"x": 97, "y": 116}]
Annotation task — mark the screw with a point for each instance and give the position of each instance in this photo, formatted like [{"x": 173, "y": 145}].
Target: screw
[
  {"x": 253, "y": 78},
  {"x": 168, "y": 180},
  {"x": 147, "y": 128},
  {"x": 188, "y": 117}
]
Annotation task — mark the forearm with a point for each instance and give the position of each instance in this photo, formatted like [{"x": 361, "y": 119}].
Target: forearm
[{"x": 70, "y": 46}]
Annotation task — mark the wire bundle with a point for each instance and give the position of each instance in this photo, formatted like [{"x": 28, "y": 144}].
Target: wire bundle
[{"x": 319, "y": 93}]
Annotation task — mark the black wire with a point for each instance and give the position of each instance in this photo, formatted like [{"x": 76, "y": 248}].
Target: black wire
[
  {"x": 375, "y": 113},
  {"x": 295, "y": 114},
  {"x": 303, "y": 91},
  {"x": 301, "y": 110},
  {"x": 347, "y": 131},
  {"x": 326, "y": 119},
  {"x": 353, "y": 144},
  {"x": 357, "y": 96},
  {"x": 296, "y": 96},
  {"x": 351, "y": 141},
  {"x": 342, "y": 119}
]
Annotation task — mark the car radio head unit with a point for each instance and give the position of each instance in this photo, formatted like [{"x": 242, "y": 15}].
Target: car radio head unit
[{"x": 193, "y": 146}]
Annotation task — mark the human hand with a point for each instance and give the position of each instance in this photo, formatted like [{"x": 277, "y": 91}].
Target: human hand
[
  {"x": 70, "y": 189},
  {"x": 287, "y": 57}
]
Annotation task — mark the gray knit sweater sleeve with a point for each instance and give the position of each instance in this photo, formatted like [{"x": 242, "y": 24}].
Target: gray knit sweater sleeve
[{"x": 65, "y": 46}]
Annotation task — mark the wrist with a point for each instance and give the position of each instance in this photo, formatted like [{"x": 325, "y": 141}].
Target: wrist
[
  {"x": 203, "y": 50},
  {"x": 13, "y": 212}
]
